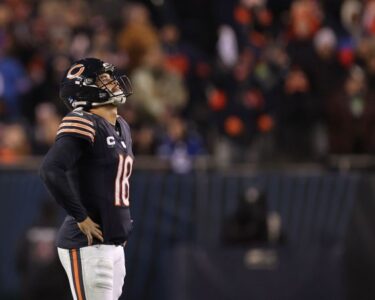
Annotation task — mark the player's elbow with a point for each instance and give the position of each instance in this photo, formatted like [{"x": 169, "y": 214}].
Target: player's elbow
[
  {"x": 48, "y": 169},
  {"x": 44, "y": 170}
]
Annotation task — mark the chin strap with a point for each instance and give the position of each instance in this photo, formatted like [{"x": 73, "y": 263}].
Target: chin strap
[{"x": 115, "y": 100}]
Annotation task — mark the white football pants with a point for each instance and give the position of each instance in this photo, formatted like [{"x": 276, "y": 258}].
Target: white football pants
[{"x": 95, "y": 272}]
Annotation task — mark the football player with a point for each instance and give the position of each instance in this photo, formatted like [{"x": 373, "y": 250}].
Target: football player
[{"x": 87, "y": 171}]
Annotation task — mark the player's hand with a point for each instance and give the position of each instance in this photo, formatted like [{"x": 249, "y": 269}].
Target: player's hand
[{"x": 91, "y": 230}]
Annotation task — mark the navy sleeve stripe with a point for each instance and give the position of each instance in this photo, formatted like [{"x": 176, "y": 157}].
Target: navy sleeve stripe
[
  {"x": 77, "y": 126},
  {"x": 77, "y": 131},
  {"x": 83, "y": 120}
]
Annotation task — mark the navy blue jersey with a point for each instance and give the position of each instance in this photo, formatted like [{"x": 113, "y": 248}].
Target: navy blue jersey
[{"x": 100, "y": 177}]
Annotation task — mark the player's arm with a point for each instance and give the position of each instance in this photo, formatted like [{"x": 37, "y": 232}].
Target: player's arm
[{"x": 62, "y": 156}]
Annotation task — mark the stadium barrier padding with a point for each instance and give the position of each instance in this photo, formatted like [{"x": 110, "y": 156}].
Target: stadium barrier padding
[{"x": 177, "y": 225}]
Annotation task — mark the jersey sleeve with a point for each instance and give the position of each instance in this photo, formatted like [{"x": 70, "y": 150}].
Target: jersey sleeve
[
  {"x": 79, "y": 125},
  {"x": 61, "y": 158}
]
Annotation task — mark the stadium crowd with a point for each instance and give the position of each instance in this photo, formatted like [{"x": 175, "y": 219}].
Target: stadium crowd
[{"x": 243, "y": 80}]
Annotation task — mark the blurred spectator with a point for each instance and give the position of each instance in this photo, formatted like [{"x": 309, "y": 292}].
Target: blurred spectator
[
  {"x": 14, "y": 144},
  {"x": 191, "y": 65},
  {"x": 179, "y": 55},
  {"x": 351, "y": 11},
  {"x": 369, "y": 17},
  {"x": 47, "y": 122},
  {"x": 251, "y": 223},
  {"x": 42, "y": 276},
  {"x": 138, "y": 36},
  {"x": 305, "y": 19},
  {"x": 297, "y": 116},
  {"x": 248, "y": 224},
  {"x": 159, "y": 90},
  {"x": 144, "y": 140},
  {"x": 351, "y": 113},
  {"x": 327, "y": 72},
  {"x": 13, "y": 84},
  {"x": 180, "y": 145}
]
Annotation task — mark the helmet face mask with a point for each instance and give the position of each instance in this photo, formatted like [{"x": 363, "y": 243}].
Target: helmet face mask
[
  {"x": 118, "y": 87},
  {"x": 91, "y": 83}
]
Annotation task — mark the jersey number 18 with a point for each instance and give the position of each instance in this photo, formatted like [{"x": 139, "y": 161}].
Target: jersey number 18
[{"x": 124, "y": 171}]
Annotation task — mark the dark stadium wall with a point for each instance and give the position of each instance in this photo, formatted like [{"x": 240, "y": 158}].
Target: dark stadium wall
[{"x": 177, "y": 249}]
